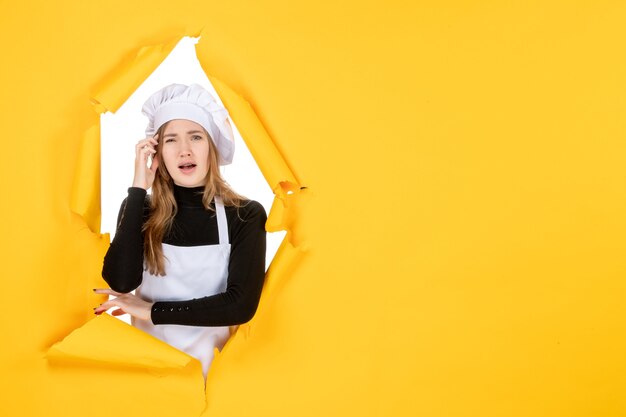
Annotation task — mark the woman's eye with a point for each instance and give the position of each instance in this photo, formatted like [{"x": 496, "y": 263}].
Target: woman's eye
[
  {"x": 169, "y": 140},
  {"x": 196, "y": 137}
]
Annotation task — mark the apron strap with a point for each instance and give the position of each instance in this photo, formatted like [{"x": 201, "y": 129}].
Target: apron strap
[{"x": 222, "y": 224}]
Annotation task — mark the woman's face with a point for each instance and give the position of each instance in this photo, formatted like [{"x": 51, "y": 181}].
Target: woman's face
[{"x": 185, "y": 152}]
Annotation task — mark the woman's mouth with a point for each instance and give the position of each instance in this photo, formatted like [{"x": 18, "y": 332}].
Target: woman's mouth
[{"x": 187, "y": 168}]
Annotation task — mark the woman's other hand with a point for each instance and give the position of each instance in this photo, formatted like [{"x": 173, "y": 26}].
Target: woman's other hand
[
  {"x": 127, "y": 303},
  {"x": 144, "y": 175}
]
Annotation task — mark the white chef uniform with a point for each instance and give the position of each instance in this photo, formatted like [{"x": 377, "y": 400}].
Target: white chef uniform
[{"x": 191, "y": 272}]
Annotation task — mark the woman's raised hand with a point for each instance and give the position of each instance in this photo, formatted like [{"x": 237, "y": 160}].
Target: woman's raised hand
[{"x": 144, "y": 175}]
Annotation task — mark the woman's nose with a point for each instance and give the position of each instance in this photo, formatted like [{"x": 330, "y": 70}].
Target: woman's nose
[{"x": 185, "y": 149}]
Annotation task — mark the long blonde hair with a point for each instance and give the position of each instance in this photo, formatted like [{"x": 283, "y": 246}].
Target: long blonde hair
[{"x": 163, "y": 206}]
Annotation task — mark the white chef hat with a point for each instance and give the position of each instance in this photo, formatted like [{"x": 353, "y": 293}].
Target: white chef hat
[{"x": 192, "y": 102}]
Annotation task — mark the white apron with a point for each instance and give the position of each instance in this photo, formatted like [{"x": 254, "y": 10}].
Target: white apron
[{"x": 191, "y": 272}]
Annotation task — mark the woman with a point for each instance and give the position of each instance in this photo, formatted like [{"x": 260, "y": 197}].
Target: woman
[{"x": 194, "y": 250}]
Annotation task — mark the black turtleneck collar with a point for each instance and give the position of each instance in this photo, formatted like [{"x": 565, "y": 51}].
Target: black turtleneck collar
[{"x": 188, "y": 197}]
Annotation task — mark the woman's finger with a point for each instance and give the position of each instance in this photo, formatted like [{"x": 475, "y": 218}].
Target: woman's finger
[
  {"x": 145, "y": 153},
  {"x": 141, "y": 144},
  {"x": 106, "y": 291},
  {"x": 103, "y": 307},
  {"x": 152, "y": 139},
  {"x": 120, "y": 301},
  {"x": 146, "y": 143}
]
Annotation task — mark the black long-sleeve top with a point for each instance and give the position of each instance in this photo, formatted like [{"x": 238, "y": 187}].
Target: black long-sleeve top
[{"x": 193, "y": 225}]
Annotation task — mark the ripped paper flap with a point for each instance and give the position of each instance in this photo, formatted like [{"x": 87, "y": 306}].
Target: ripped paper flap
[{"x": 107, "y": 340}]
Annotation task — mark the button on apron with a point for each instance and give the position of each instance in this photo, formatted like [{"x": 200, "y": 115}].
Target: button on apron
[{"x": 191, "y": 272}]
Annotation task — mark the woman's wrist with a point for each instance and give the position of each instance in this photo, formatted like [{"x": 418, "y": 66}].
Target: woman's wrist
[{"x": 138, "y": 184}]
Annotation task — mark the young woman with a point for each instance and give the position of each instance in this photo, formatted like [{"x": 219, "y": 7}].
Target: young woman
[{"x": 194, "y": 250}]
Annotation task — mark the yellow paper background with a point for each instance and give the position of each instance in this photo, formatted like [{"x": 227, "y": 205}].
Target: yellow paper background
[{"x": 457, "y": 250}]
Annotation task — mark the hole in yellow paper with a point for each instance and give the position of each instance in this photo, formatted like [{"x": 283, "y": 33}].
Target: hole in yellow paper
[{"x": 103, "y": 340}]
